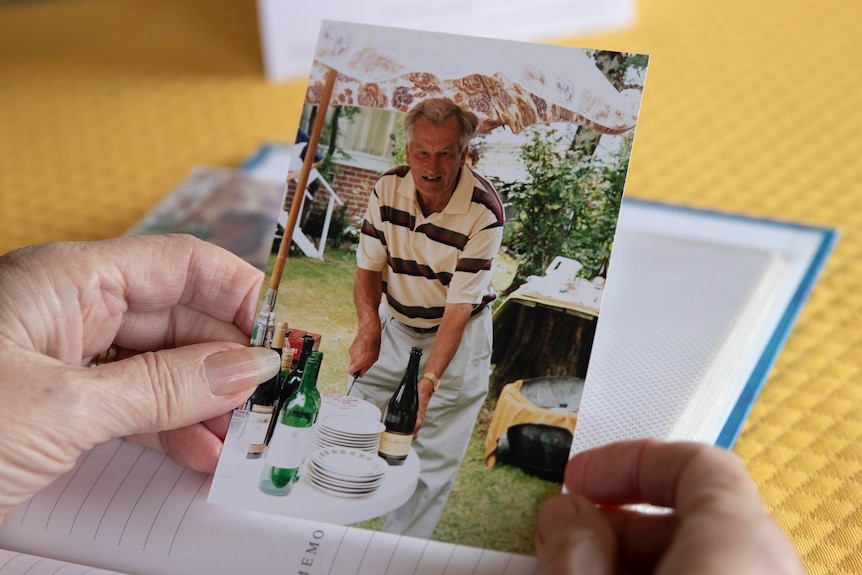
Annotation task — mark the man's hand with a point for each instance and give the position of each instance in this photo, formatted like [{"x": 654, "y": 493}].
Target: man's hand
[
  {"x": 426, "y": 390},
  {"x": 445, "y": 345},
  {"x": 364, "y": 350},
  {"x": 178, "y": 310}
]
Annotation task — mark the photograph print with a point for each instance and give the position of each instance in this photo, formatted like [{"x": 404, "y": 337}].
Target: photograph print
[{"x": 435, "y": 283}]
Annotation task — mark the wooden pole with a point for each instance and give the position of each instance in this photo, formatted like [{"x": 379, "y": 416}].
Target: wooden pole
[{"x": 293, "y": 214}]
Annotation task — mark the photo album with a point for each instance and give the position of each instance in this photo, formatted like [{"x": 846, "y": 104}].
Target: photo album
[{"x": 461, "y": 298}]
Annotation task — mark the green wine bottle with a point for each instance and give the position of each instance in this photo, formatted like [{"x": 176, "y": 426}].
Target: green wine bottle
[
  {"x": 291, "y": 438},
  {"x": 289, "y": 383}
]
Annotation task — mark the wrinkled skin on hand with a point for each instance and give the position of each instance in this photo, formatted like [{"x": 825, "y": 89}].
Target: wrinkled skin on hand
[{"x": 177, "y": 310}]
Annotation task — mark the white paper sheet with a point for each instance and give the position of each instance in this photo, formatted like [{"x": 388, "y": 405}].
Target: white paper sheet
[{"x": 289, "y": 29}]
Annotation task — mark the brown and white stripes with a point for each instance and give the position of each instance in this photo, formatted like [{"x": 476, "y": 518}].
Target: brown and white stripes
[{"x": 429, "y": 262}]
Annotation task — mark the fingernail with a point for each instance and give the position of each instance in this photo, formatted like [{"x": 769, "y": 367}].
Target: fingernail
[{"x": 238, "y": 369}]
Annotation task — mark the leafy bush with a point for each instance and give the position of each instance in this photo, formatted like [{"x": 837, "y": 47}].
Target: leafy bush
[{"x": 567, "y": 206}]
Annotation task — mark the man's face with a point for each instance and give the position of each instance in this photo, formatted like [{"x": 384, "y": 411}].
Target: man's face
[{"x": 435, "y": 156}]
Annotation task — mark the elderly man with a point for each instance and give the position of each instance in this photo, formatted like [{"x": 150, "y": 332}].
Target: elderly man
[{"x": 428, "y": 241}]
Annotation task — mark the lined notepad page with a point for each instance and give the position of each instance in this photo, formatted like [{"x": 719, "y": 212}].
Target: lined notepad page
[
  {"x": 691, "y": 303},
  {"x": 12, "y": 563},
  {"x": 133, "y": 510}
]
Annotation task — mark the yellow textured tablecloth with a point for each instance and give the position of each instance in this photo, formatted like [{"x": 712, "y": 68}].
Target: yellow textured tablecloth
[{"x": 753, "y": 107}]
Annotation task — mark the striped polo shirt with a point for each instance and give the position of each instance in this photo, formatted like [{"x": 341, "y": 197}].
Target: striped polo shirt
[{"x": 429, "y": 262}]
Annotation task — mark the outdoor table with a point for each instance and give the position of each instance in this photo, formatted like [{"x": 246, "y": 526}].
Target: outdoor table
[{"x": 238, "y": 486}]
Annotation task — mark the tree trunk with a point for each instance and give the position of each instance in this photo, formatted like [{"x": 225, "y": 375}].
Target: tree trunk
[
  {"x": 333, "y": 130},
  {"x": 585, "y": 142},
  {"x": 537, "y": 340},
  {"x": 613, "y": 65}
]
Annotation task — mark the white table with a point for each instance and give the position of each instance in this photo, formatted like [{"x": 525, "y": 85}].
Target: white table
[{"x": 236, "y": 484}]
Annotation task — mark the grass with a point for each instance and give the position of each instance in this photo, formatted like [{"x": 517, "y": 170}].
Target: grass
[
  {"x": 492, "y": 508},
  {"x": 489, "y": 508},
  {"x": 318, "y": 297}
]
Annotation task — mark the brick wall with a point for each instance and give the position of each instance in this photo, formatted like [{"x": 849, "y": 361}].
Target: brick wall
[{"x": 352, "y": 184}]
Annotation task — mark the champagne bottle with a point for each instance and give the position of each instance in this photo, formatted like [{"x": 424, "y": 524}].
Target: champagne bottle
[
  {"x": 401, "y": 414},
  {"x": 291, "y": 439},
  {"x": 263, "y": 400}
]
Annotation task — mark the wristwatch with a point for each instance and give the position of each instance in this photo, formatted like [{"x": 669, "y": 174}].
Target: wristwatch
[{"x": 432, "y": 378}]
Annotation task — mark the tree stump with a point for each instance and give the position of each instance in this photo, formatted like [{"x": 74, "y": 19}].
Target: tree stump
[{"x": 536, "y": 340}]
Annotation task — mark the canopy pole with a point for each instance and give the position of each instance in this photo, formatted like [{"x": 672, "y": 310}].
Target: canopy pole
[{"x": 293, "y": 214}]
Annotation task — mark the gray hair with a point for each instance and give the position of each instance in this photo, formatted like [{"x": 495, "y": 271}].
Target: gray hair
[{"x": 437, "y": 111}]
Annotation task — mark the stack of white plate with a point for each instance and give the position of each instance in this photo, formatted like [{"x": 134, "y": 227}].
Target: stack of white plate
[
  {"x": 334, "y": 403},
  {"x": 348, "y": 431},
  {"x": 346, "y": 472}
]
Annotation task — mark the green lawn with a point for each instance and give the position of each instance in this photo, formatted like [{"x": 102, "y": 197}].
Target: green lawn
[
  {"x": 490, "y": 508},
  {"x": 318, "y": 297}
]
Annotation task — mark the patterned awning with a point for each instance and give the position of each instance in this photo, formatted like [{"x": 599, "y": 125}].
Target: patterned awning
[{"x": 515, "y": 84}]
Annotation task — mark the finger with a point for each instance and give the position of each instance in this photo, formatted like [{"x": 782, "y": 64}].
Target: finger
[
  {"x": 174, "y": 327},
  {"x": 425, "y": 393},
  {"x": 179, "y": 269},
  {"x": 359, "y": 367},
  {"x": 219, "y": 425},
  {"x": 71, "y": 315},
  {"x": 191, "y": 291},
  {"x": 704, "y": 485},
  {"x": 197, "y": 446},
  {"x": 174, "y": 388},
  {"x": 643, "y": 535},
  {"x": 194, "y": 446},
  {"x": 572, "y": 536},
  {"x": 353, "y": 368},
  {"x": 360, "y": 360},
  {"x": 420, "y": 419},
  {"x": 667, "y": 474}
]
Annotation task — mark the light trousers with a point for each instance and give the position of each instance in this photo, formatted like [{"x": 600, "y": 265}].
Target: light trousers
[{"x": 449, "y": 420}]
